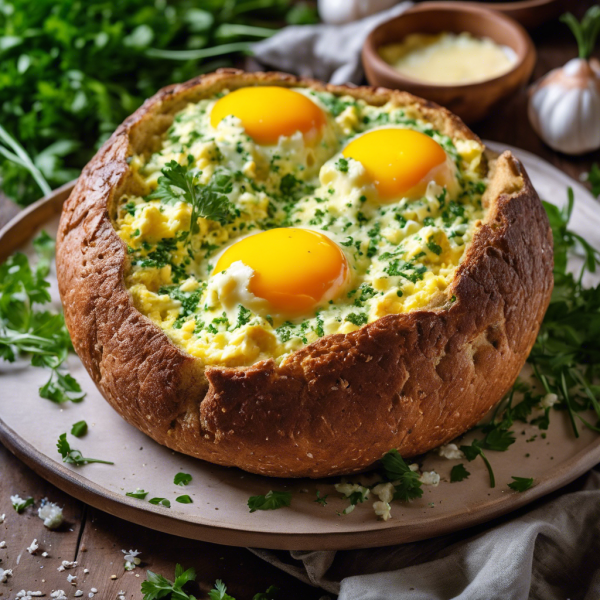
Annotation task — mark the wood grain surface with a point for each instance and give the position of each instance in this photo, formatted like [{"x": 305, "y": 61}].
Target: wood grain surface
[{"x": 96, "y": 539}]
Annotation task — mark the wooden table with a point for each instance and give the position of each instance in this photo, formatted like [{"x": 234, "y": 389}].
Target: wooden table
[{"x": 95, "y": 539}]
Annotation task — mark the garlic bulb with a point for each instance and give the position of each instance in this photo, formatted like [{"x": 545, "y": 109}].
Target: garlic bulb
[
  {"x": 336, "y": 12},
  {"x": 564, "y": 106}
]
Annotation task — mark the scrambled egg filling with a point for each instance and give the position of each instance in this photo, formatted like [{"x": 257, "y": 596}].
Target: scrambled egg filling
[{"x": 401, "y": 252}]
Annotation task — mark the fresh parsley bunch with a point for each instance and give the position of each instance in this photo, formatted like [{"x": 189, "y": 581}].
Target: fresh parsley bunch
[
  {"x": 27, "y": 331},
  {"x": 72, "y": 71}
]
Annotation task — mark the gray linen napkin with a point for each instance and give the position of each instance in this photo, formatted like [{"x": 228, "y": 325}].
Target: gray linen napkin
[
  {"x": 326, "y": 52},
  {"x": 550, "y": 552}
]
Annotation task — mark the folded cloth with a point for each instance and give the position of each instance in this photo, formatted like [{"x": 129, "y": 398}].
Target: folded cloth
[
  {"x": 548, "y": 552},
  {"x": 326, "y": 52}
]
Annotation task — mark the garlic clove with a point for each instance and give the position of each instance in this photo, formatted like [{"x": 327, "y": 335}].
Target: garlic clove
[{"x": 564, "y": 107}]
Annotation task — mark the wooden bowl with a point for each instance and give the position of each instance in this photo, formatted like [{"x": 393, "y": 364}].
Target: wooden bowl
[
  {"x": 530, "y": 13},
  {"x": 471, "y": 101}
]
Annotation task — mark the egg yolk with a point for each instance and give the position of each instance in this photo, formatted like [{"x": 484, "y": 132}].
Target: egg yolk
[
  {"x": 267, "y": 113},
  {"x": 294, "y": 269},
  {"x": 401, "y": 162}
]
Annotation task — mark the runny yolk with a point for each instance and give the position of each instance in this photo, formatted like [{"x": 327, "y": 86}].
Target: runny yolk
[
  {"x": 294, "y": 269},
  {"x": 269, "y": 112},
  {"x": 401, "y": 162}
]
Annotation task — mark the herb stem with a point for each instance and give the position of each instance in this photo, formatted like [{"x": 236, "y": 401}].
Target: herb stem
[
  {"x": 200, "y": 53},
  {"x": 24, "y": 160}
]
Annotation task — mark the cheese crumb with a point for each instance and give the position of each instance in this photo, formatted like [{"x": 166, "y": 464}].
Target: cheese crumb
[
  {"x": 549, "y": 400},
  {"x": 451, "y": 452},
  {"x": 51, "y": 514},
  {"x": 385, "y": 491},
  {"x": 78, "y": 593},
  {"x": 45, "y": 554},
  {"x": 131, "y": 559},
  {"x": 33, "y": 548},
  {"x": 72, "y": 579},
  {"x": 94, "y": 591},
  {"x": 5, "y": 574},
  {"x": 2, "y": 517},
  {"x": 383, "y": 510},
  {"x": 58, "y": 594},
  {"x": 429, "y": 478},
  {"x": 3, "y": 544}
]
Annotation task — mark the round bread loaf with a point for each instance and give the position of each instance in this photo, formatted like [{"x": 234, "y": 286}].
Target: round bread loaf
[{"x": 408, "y": 381}]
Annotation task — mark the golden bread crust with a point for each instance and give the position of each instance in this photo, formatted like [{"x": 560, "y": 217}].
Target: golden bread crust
[{"x": 409, "y": 381}]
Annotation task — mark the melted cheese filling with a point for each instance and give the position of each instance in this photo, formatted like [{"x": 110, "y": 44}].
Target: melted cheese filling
[{"x": 402, "y": 253}]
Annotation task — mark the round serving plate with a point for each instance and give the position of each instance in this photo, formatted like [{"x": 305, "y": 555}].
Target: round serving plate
[{"x": 30, "y": 427}]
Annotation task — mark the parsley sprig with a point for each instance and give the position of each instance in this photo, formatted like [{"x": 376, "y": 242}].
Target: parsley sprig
[
  {"x": 26, "y": 331},
  {"x": 406, "y": 482},
  {"x": 156, "y": 586},
  {"x": 73, "y": 456},
  {"x": 182, "y": 183},
  {"x": 272, "y": 500}
]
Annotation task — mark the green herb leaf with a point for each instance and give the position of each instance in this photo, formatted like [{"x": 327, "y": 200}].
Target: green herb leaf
[
  {"x": 473, "y": 451},
  {"x": 182, "y": 479},
  {"x": 270, "y": 501},
  {"x": 458, "y": 473},
  {"x": 520, "y": 484},
  {"x": 322, "y": 500},
  {"x": 139, "y": 494},
  {"x": 74, "y": 457},
  {"x": 161, "y": 501},
  {"x": 406, "y": 482},
  {"x": 271, "y": 594},
  {"x": 593, "y": 177},
  {"x": 20, "y": 505},
  {"x": 219, "y": 592},
  {"x": 185, "y": 499},
  {"x": 156, "y": 586},
  {"x": 79, "y": 429}
]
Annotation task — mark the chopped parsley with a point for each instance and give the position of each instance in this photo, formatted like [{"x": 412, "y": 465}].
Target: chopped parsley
[
  {"x": 458, "y": 473},
  {"x": 185, "y": 499},
  {"x": 79, "y": 429},
  {"x": 272, "y": 500},
  {"x": 161, "y": 501},
  {"x": 182, "y": 479},
  {"x": 342, "y": 165},
  {"x": 520, "y": 484},
  {"x": 406, "y": 482},
  {"x": 139, "y": 494}
]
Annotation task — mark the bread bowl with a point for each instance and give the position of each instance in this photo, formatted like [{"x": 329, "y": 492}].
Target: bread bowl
[{"x": 411, "y": 379}]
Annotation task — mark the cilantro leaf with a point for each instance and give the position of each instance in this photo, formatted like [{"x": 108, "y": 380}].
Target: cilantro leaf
[
  {"x": 406, "y": 482},
  {"x": 182, "y": 478},
  {"x": 272, "y": 500},
  {"x": 161, "y": 501},
  {"x": 185, "y": 499},
  {"x": 79, "y": 429},
  {"x": 73, "y": 456},
  {"x": 521, "y": 484},
  {"x": 458, "y": 473},
  {"x": 139, "y": 494}
]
